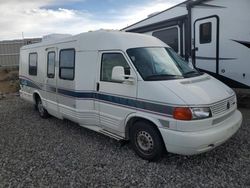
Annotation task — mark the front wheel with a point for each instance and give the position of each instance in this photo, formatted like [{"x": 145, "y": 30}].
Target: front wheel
[
  {"x": 146, "y": 141},
  {"x": 41, "y": 110}
]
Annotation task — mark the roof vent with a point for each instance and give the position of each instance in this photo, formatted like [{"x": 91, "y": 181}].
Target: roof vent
[{"x": 55, "y": 36}]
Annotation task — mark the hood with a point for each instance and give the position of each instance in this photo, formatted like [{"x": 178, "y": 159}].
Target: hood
[{"x": 199, "y": 90}]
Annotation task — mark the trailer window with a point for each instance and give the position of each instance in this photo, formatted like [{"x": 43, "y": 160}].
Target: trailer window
[
  {"x": 33, "y": 64},
  {"x": 110, "y": 60},
  {"x": 205, "y": 33},
  {"x": 169, "y": 36},
  {"x": 67, "y": 64},
  {"x": 51, "y": 64}
]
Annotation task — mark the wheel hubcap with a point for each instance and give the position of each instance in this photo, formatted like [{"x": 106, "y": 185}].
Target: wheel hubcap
[{"x": 145, "y": 141}]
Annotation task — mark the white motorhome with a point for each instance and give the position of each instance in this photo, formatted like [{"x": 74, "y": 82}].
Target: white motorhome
[
  {"x": 129, "y": 86},
  {"x": 213, "y": 34}
]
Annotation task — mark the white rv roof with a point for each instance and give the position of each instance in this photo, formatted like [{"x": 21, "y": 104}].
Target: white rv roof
[{"x": 104, "y": 40}]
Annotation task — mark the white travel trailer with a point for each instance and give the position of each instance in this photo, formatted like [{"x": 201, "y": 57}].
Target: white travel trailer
[
  {"x": 129, "y": 86},
  {"x": 213, "y": 34}
]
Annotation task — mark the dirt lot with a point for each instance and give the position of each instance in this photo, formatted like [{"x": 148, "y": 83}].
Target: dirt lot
[
  {"x": 35, "y": 152},
  {"x": 8, "y": 80}
]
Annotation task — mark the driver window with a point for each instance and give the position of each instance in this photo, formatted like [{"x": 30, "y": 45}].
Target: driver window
[{"x": 110, "y": 60}]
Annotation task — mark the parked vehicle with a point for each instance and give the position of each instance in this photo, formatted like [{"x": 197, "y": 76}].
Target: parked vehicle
[
  {"x": 212, "y": 34},
  {"x": 130, "y": 87}
]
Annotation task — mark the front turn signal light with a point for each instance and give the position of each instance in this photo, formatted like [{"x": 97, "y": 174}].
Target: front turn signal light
[{"x": 182, "y": 113}]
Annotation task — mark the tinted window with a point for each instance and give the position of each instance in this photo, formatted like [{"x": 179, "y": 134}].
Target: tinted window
[
  {"x": 33, "y": 64},
  {"x": 169, "y": 36},
  {"x": 110, "y": 60},
  {"x": 51, "y": 64},
  {"x": 205, "y": 33},
  {"x": 67, "y": 64}
]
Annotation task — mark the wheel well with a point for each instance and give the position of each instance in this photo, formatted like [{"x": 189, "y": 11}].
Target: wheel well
[{"x": 136, "y": 119}]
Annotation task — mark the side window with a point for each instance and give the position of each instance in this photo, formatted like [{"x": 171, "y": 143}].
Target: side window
[
  {"x": 110, "y": 60},
  {"x": 169, "y": 36},
  {"x": 67, "y": 64},
  {"x": 205, "y": 33},
  {"x": 51, "y": 64},
  {"x": 33, "y": 64}
]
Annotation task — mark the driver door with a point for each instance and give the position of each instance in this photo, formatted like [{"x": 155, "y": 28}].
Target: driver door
[{"x": 115, "y": 100}]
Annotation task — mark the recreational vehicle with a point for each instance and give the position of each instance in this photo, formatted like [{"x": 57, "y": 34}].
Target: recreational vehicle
[
  {"x": 130, "y": 87},
  {"x": 212, "y": 34}
]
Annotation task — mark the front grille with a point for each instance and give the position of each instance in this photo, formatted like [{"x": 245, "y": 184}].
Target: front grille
[{"x": 223, "y": 106}]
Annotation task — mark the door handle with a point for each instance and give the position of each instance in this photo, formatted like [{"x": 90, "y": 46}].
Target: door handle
[{"x": 97, "y": 86}]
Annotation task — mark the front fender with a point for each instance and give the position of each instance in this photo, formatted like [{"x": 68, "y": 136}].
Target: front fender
[{"x": 142, "y": 116}]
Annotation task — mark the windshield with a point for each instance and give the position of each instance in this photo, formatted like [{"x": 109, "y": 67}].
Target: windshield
[{"x": 159, "y": 63}]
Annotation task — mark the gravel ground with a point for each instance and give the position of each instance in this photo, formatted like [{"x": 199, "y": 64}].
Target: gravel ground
[{"x": 53, "y": 153}]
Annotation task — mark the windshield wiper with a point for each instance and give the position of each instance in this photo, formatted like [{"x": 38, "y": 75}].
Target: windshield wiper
[{"x": 162, "y": 77}]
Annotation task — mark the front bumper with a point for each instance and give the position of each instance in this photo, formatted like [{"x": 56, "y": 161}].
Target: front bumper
[{"x": 190, "y": 143}]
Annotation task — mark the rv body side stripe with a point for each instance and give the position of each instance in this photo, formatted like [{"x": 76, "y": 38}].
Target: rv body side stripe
[
  {"x": 76, "y": 94},
  {"x": 231, "y": 83},
  {"x": 245, "y": 43},
  {"x": 133, "y": 103}
]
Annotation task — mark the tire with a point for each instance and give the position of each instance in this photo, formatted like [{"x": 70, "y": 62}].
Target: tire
[
  {"x": 146, "y": 141},
  {"x": 41, "y": 110}
]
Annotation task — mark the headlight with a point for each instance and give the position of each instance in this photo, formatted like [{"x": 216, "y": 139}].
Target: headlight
[{"x": 201, "y": 113}]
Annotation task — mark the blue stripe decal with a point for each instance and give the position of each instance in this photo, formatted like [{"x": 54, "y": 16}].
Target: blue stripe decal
[
  {"x": 132, "y": 103},
  {"x": 76, "y": 94},
  {"x": 163, "y": 109},
  {"x": 159, "y": 108},
  {"x": 118, "y": 100}
]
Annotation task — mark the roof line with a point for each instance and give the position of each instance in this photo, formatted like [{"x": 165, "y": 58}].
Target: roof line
[{"x": 157, "y": 14}]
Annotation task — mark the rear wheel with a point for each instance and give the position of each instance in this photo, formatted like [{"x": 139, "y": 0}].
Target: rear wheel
[
  {"x": 41, "y": 110},
  {"x": 146, "y": 141}
]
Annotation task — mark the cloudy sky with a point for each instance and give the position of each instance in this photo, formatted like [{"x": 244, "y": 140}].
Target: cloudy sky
[{"x": 35, "y": 18}]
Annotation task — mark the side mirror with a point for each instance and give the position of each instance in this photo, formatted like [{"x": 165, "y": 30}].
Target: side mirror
[{"x": 118, "y": 74}]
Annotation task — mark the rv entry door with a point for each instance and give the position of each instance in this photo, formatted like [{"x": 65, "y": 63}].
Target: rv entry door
[
  {"x": 206, "y": 44},
  {"x": 51, "y": 80}
]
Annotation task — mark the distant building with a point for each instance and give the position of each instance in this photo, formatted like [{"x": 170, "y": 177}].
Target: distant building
[{"x": 10, "y": 49}]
